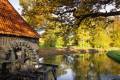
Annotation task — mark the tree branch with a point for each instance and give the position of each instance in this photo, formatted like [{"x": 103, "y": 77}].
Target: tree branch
[
  {"x": 98, "y": 14},
  {"x": 105, "y": 2},
  {"x": 67, "y": 11}
]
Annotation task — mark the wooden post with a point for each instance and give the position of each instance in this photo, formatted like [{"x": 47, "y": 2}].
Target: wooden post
[{"x": 54, "y": 73}]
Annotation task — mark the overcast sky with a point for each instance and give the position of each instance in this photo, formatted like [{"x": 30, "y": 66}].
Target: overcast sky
[{"x": 16, "y": 5}]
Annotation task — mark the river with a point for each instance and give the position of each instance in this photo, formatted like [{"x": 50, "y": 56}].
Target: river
[{"x": 85, "y": 67}]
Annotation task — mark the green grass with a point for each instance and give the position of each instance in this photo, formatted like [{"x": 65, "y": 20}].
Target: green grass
[{"x": 114, "y": 55}]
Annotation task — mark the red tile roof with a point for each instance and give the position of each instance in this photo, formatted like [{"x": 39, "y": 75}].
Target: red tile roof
[{"x": 11, "y": 23}]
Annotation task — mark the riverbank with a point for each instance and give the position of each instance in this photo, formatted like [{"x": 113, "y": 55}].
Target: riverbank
[{"x": 61, "y": 51}]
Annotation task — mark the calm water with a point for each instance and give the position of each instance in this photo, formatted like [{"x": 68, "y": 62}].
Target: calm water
[{"x": 85, "y": 67}]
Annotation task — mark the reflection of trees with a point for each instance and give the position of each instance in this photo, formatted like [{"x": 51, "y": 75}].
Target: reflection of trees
[
  {"x": 77, "y": 70},
  {"x": 106, "y": 65},
  {"x": 103, "y": 65},
  {"x": 100, "y": 64},
  {"x": 87, "y": 66},
  {"x": 80, "y": 67},
  {"x": 50, "y": 59},
  {"x": 59, "y": 60},
  {"x": 63, "y": 66},
  {"x": 91, "y": 66},
  {"x": 92, "y": 73}
]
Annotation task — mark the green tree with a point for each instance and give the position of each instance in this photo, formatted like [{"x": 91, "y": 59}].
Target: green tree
[
  {"x": 101, "y": 40},
  {"x": 114, "y": 32},
  {"x": 71, "y": 15}
]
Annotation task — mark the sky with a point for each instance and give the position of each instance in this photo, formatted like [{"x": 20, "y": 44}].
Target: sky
[{"x": 15, "y": 4}]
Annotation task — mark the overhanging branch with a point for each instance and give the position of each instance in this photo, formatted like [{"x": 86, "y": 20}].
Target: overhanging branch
[{"x": 98, "y": 14}]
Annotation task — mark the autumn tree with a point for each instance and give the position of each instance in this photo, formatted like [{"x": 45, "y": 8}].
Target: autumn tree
[{"x": 71, "y": 14}]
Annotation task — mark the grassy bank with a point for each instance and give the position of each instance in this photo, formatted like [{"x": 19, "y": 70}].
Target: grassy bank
[{"x": 114, "y": 55}]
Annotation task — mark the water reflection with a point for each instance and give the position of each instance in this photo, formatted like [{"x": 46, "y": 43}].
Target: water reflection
[
  {"x": 68, "y": 75},
  {"x": 85, "y": 67}
]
